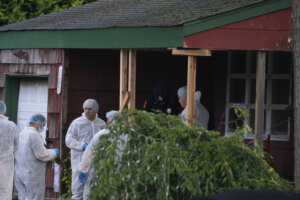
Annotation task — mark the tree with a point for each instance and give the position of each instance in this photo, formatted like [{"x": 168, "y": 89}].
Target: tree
[
  {"x": 164, "y": 159},
  {"x": 296, "y": 57},
  {"x": 12, "y": 11}
]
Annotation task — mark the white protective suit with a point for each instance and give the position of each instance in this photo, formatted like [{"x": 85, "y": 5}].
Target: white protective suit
[
  {"x": 85, "y": 165},
  {"x": 30, "y": 169},
  {"x": 8, "y": 145},
  {"x": 80, "y": 132},
  {"x": 86, "y": 161},
  {"x": 201, "y": 114}
]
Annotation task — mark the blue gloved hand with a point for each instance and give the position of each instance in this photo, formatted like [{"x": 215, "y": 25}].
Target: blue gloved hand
[
  {"x": 56, "y": 151},
  {"x": 82, "y": 177},
  {"x": 84, "y": 146}
]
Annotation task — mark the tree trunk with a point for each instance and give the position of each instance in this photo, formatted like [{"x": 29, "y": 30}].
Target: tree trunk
[{"x": 296, "y": 57}]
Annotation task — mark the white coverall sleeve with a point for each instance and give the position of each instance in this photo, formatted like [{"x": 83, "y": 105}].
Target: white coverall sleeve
[
  {"x": 201, "y": 114},
  {"x": 14, "y": 130},
  {"x": 86, "y": 160},
  {"x": 71, "y": 141},
  {"x": 87, "y": 157},
  {"x": 40, "y": 151}
]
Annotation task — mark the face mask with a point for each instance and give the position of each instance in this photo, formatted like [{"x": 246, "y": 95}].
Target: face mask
[{"x": 41, "y": 130}]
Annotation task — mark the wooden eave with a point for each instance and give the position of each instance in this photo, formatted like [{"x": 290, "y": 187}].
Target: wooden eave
[{"x": 136, "y": 37}]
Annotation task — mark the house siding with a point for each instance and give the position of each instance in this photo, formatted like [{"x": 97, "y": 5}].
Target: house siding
[
  {"x": 30, "y": 63},
  {"x": 271, "y": 31}
]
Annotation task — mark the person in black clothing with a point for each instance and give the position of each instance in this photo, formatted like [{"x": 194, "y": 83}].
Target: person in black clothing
[{"x": 161, "y": 100}]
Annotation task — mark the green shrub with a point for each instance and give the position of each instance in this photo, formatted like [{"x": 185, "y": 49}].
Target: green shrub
[
  {"x": 66, "y": 179},
  {"x": 164, "y": 159}
]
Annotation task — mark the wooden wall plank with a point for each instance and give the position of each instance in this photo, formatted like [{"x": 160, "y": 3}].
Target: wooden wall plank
[
  {"x": 29, "y": 69},
  {"x": 191, "y": 88},
  {"x": 3, "y": 71},
  {"x": 54, "y": 125},
  {"x": 132, "y": 78},
  {"x": 123, "y": 75},
  {"x": 124, "y": 102},
  {"x": 64, "y": 98},
  {"x": 54, "y": 102},
  {"x": 193, "y": 52},
  {"x": 260, "y": 96},
  {"x": 53, "y": 76},
  {"x": 49, "y": 175},
  {"x": 31, "y": 56}
]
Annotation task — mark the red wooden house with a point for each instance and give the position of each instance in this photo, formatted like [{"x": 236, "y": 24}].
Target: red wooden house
[{"x": 239, "y": 55}]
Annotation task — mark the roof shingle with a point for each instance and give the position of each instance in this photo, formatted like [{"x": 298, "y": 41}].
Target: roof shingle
[{"x": 129, "y": 13}]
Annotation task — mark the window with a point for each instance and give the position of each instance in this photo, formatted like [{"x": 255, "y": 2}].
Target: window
[{"x": 241, "y": 91}]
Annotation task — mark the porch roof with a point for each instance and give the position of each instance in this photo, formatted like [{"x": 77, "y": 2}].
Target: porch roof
[{"x": 131, "y": 23}]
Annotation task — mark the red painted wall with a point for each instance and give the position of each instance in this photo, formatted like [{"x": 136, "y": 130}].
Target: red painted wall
[{"x": 267, "y": 32}]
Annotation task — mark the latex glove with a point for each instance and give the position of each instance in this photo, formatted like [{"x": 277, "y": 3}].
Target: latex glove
[
  {"x": 82, "y": 177},
  {"x": 56, "y": 151},
  {"x": 84, "y": 146}
]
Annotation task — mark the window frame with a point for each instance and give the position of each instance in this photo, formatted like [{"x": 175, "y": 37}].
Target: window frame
[{"x": 269, "y": 107}]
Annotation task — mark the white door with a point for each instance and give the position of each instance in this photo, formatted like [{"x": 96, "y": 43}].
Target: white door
[{"x": 33, "y": 99}]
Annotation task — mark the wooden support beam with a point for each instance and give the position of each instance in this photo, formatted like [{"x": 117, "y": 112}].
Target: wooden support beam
[
  {"x": 191, "y": 52},
  {"x": 191, "y": 87},
  {"x": 132, "y": 78},
  {"x": 260, "y": 96},
  {"x": 123, "y": 75},
  {"x": 124, "y": 102}
]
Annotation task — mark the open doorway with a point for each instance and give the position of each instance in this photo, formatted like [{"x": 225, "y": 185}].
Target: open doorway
[{"x": 33, "y": 99}]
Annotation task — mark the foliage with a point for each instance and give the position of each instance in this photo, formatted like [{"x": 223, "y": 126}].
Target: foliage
[
  {"x": 66, "y": 179},
  {"x": 12, "y": 11},
  {"x": 164, "y": 159},
  {"x": 242, "y": 114}
]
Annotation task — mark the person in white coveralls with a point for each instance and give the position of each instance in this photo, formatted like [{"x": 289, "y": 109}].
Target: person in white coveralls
[
  {"x": 201, "y": 114},
  {"x": 31, "y": 159},
  {"x": 85, "y": 166},
  {"x": 79, "y": 135},
  {"x": 8, "y": 145}
]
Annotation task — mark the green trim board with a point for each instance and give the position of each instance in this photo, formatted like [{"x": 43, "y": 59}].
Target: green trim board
[
  {"x": 144, "y": 37},
  {"x": 235, "y": 16},
  {"x": 11, "y": 97},
  {"x": 26, "y": 76},
  {"x": 11, "y": 93},
  {"x": 135, "y": 37}
]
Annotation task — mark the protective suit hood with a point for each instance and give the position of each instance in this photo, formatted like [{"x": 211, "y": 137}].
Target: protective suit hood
[{"x": 201, "y": 114}]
